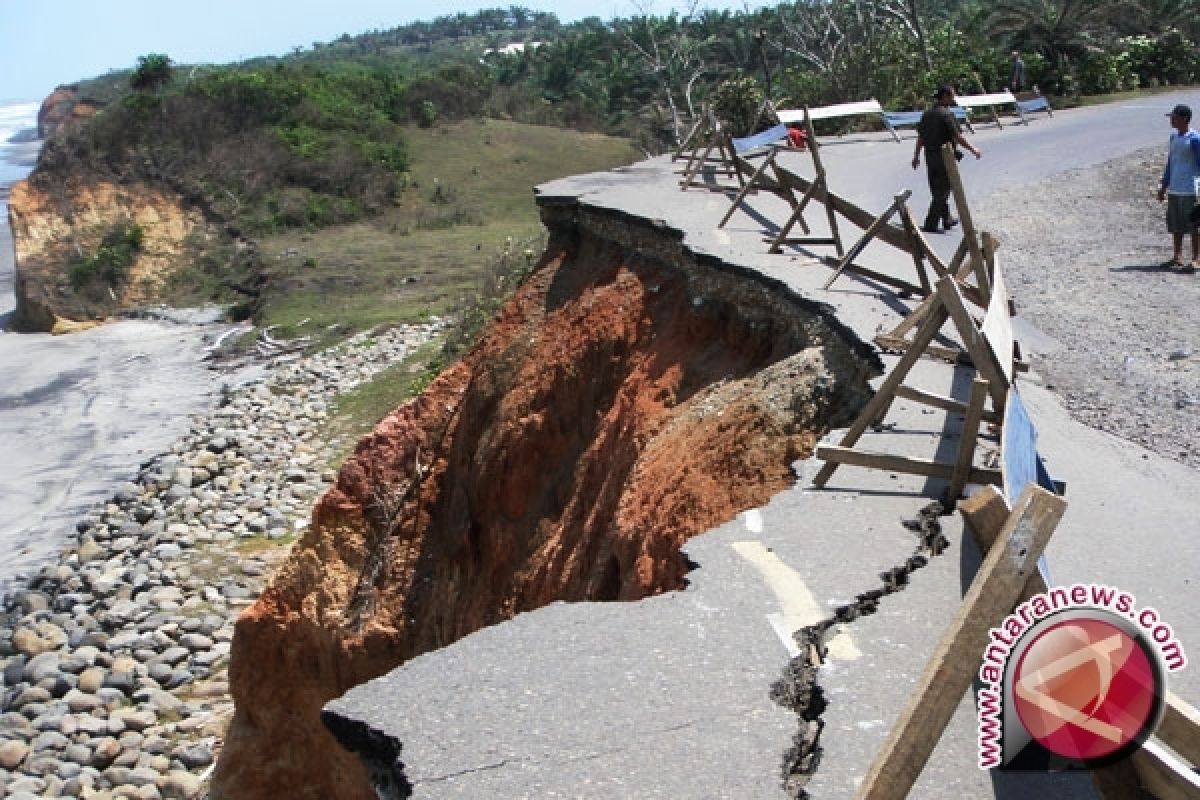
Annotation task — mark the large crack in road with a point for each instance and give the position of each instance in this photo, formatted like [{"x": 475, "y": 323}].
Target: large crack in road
[{"x": 799, "y": 689}]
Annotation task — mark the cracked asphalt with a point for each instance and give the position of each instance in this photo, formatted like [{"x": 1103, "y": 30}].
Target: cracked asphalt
[{"x": 670, "y": 697}]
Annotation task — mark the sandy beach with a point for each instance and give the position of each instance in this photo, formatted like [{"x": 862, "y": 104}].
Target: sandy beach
[{"x": 80, "y": 413}]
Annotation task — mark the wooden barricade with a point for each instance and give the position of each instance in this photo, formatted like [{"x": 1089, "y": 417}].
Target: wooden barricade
[
  {"x": 711, "y": 153},
  {"x": 1007, "y": 567},
  {"x": 986, "y": 348},
  {"x": 1013, "y": 570},
  {"x": 919, "y": 248},
  {"x": 863, "y": 107},
  {"x": 974, "y": 257},
  {"x": 1032, "y": 101},
  {"x": 817, "y": 189}
]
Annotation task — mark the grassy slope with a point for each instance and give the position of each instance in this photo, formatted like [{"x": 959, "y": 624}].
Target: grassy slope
[
  {"x": 414, "y": 261},
  {"x": 354, "y": 277}
]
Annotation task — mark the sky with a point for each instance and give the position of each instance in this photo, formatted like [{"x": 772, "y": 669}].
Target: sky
[{"x": 44, "y": 43}]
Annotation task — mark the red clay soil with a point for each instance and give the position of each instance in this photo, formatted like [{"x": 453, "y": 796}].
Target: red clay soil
[{"x": 613, "y": 410}]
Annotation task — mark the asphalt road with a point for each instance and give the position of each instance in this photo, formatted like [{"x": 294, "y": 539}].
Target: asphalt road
[{"x": 670, "y": 697}]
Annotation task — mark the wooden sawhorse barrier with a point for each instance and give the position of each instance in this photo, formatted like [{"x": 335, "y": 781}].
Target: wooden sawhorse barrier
[
  {"x": 974, "y": 257},
  {"x": 798, "y": 192},
  {"x": 989, "y": 348},
  {"x": 1013, "y": 569},
  {"x": 711, "y": 152}
]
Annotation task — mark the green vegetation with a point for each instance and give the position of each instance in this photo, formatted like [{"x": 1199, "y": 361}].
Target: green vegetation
[
  {"x": 107, "y": 267},
  {"x": 468, "y": 194},
  {"x": 385, "y": 178},
  {"x": 153, "y": 72}
]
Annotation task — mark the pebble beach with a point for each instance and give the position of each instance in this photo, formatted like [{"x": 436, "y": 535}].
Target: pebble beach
[{"x": 114, "y": 655}]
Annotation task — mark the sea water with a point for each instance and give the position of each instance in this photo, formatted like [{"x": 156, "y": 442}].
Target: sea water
[{"x": 80, "y": 413}]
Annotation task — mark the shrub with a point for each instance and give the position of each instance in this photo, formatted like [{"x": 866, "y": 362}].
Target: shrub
[
  {"x": 737, "y": 102},
  {"x": 109, "y": 265}
]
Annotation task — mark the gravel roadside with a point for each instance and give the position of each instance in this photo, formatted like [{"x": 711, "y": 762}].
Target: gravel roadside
[{"x": 1082, "y": 254}]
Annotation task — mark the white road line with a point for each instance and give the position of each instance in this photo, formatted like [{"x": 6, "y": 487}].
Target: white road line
[
  {"x": 754, "y": 521},
  {"x": 799, "y": 607}
]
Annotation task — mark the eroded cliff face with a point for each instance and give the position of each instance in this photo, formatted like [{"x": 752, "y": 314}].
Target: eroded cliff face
[
  {"x": 63, "y": 107},
  {"x": 50, "y": 226},
  {"x": 627, "y": 398}
]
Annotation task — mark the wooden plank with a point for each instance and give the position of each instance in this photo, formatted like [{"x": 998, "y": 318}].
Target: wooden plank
[
  {"x": 972, "y": 339},
  {"x": 823, "y": 181},
  {"x": 922, "y": 250},
  {"x": 751, "y": 184},
  {"x": 829, "y": 112},
  {"x": 970, "y": 236},
  {"x": 966, "y": 441},
  {"x": 1163, "y": 774},
  {"x": 1180, "y": 729},
  {"x": 949, "y": 671},
  {"x": 985, "y": 513},
  {"x": 833, "y": 454},
  {"x": 883, "y": 397},
  {"x": 997, "y": 323},
  {"x": 900, "y": 345},
  {"x": 897, "y": 201},
  {"x": 942, "y": 402},
  {"x": 703, "y": 117},
  {"x": 858, "y": 217},
  {"x": 887, "y": 280}
]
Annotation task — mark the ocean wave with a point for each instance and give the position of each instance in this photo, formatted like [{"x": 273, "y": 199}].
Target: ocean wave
[{"x": 16, "y": 118}]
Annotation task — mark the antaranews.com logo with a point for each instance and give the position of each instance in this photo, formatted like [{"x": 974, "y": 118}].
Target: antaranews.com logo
[{"x": 1075, "y": 677}]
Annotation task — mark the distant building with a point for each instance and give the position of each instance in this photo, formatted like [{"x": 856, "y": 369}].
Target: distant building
[{"x": 509, "y": 49}]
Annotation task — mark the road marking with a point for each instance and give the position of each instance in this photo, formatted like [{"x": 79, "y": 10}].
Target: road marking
[
  {"x": 754, "y": 521},
  {"x": 799, "y": 607}
]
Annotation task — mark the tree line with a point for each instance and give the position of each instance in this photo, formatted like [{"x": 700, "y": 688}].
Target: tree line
[{"x": 317, "y": 137}]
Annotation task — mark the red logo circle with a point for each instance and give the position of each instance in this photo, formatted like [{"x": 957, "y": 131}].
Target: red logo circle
[{"x": 1085, "y": 688}]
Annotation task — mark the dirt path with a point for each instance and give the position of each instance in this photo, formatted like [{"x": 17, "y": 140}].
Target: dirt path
[{"x": 1082, "y": 254}]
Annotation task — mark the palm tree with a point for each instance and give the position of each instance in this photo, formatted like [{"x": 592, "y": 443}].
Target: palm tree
[
  {"x": 153, "y": 72},
  {"x": 1060, "y": 30},
  {"x": 1157, "y": 17}
]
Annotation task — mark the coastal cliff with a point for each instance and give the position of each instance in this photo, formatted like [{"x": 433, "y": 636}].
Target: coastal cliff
[
  {"x": 50, "y": 227},
  {"x": 62, "y": 108},
  {"x": 629, "y": 396}
]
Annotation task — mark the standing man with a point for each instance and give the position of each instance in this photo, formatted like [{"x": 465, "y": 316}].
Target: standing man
[
  {"x": 1016, "y": 78},
  {"x": 937, "y": 127},
  {"x": 1178, "y": 185}
]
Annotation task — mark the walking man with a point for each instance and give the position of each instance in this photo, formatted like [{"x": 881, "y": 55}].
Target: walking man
[
  {"x": 1016, "y": 78},
  {"x": 1178, "y": 185},
  {"x": 937, "y": 127}
]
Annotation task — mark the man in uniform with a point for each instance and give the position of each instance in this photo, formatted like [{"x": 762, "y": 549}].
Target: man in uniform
[{"x": 937, "y": 127}]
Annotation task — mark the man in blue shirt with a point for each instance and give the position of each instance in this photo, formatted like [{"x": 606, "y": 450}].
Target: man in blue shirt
[{"x": 1178, "y": 186}]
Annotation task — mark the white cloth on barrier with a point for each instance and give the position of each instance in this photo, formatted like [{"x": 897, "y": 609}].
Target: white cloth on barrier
[
  {"x": 994, "y": 99},
  {"x": 829, "y": 112}
]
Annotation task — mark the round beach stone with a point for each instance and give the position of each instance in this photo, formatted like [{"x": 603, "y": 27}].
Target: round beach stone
[
  {"x": 90, "y": 680},
  {"x": 79, "y": 701},
  {"x": 195, "y": 756},
  {"x": 42, "y": 666},
  {"x": 180, "y": 785},
  {"x": 12, "y": 753},
  {"x": 105, "y": 752}
]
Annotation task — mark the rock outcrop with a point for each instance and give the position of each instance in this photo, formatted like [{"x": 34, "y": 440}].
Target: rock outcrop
[
  {"x": 62, "y": 108},
  {"x": 628, "y": 397},
  {"x": 50, "y": 226}
]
